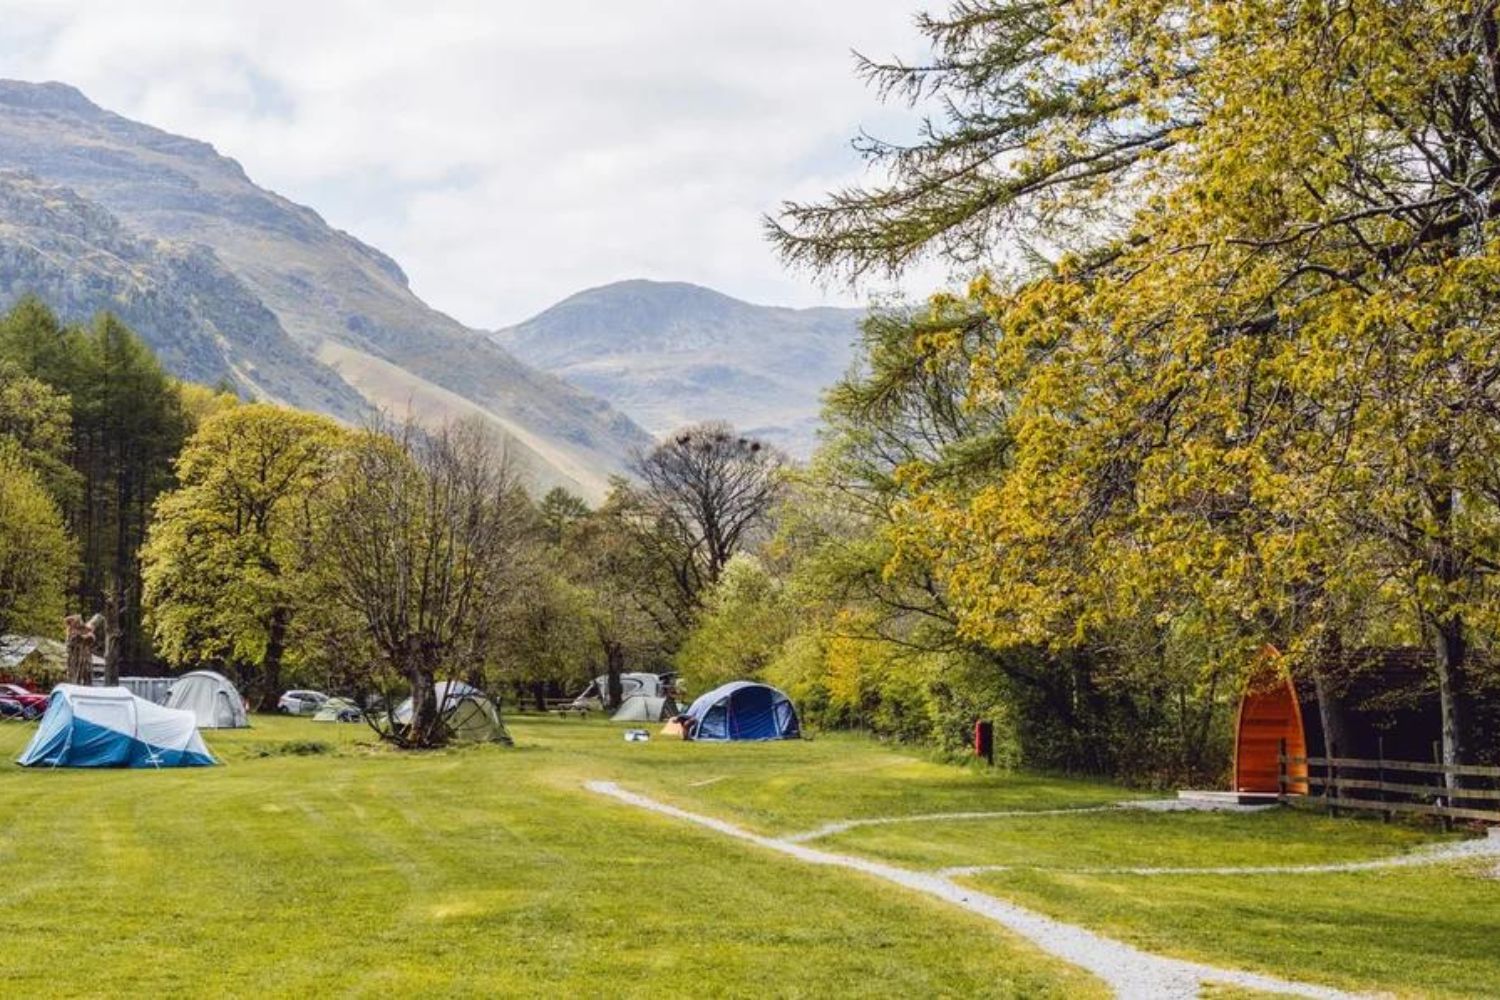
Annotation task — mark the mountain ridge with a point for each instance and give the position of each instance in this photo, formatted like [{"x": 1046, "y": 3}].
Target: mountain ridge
[
  {"x": 671, "y": 353},
  {"x": 193, "y": 238}
]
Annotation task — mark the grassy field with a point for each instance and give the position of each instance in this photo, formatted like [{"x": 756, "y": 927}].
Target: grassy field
[{"x": 360, "y": 871}]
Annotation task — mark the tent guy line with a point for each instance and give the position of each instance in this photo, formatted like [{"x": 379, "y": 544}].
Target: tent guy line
[{"x": 1129, "y": 971}]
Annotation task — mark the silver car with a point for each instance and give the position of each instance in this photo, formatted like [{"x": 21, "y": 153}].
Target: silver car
[{"x": 301, "y": 702}]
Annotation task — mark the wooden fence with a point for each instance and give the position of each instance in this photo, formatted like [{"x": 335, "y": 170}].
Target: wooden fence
[{"x": 1392, "y": 786}]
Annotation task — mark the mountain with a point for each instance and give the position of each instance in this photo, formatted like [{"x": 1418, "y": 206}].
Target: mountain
[
  {"x": 670, "y": 353},
  {"x": 227, "y": 280}
]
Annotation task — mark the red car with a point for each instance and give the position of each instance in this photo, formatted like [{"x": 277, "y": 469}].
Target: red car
[{"x": 16, "y": 700}]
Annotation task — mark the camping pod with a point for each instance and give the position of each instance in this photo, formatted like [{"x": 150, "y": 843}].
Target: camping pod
[
  {"x": 212, "y": 698},
  {"x": 1377, "y": 702},
  {"x": 110, "y": 727},
  {"x": 744, "y": 710}
]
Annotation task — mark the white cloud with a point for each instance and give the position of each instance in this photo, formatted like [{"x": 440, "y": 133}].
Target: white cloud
[{"x": 506, "y": 153}]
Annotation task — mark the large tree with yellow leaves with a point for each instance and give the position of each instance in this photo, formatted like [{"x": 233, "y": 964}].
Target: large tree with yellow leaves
[{"x": 1251, "y": 363}]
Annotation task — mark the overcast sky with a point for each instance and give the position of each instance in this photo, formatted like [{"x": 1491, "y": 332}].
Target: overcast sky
[{"x": 507, "y": 153}]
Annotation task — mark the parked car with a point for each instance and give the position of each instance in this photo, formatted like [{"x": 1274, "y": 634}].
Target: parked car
[
  {"x": 301, "y": 702},
  {"x": 18, "y": 702}
]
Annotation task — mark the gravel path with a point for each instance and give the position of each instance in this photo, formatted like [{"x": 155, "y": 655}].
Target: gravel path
[
  {"x": 1434, "y": 854},
  {"x": 1129, "y": 971},
  {"x": 829, "y": 829},
  {"x": 1151, "y": 805}
]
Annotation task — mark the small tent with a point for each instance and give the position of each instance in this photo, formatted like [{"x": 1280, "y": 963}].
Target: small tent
[
  {"x": 645, "y": 708},
  {"x": 339, "y": 710},
  {"x": 110, "y": 727},
  {"x": 470, "y": 714},
  {"x": 744, "y": 710},
  {"x": 214, "y": 701}
]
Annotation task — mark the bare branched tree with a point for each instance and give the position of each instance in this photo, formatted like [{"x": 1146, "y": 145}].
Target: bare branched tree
[
  {"x": 426, "y": 526},
  {"x": 704, "y": 494}
]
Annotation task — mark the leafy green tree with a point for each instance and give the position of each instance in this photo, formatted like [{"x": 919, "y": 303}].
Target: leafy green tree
[
  {"x": 426, "y": 527},
  {"x": 1252, "y": 391},
  {"x": 627, "y": 592},
  {"x": 127, "y": 426},
  {"x": 36, "y": 555},
  {"x": 745, "y": 620},
  {"x": 232, "y": 547},
  {"x": 38, "y": 420},
  {"x": 559, "y": 511}
]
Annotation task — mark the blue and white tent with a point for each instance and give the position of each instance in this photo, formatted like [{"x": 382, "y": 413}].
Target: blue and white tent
[
  {"x": 110, "y": 727},
  {"x": 744, "y": 710}
]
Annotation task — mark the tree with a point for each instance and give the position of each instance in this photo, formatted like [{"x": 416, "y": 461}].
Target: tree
[
  {"x": 628, "y": 593},
  {"x": 703, "y": 495},
  {"x": 746, "y": 618},
  {"x": 1041, "y": 103},
  {"x": 231, "y": 547},
  {"x": 559, "y": 511},
  {"x": 425, "y": 528},
  {"x": 127, "y": 425},
  {"x": 38, "y": 420},
  {"x": 36, "y": 554},
  {"x": 1252, "y": 387}
]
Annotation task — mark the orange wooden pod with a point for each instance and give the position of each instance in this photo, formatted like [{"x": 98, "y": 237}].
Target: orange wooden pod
[{"x": 1269, "y": 714}]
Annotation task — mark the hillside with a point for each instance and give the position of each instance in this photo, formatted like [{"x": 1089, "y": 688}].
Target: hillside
[
  {"x": 670, "y": 353},
  {"x": 226, "y": 279}
]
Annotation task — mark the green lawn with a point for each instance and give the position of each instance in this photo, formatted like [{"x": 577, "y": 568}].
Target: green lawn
[
  {"x": 1411, "y": 932},
  {"x": 475, "y": 872},
  {"x": 1132, "y": 838},
  {"x": 363, "y": 871}
]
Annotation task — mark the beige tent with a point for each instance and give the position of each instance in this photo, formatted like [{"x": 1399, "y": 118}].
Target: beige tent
[{"x": 645, "y": 708}]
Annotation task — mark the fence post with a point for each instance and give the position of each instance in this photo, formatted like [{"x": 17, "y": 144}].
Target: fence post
[
  {"x": 1281, "y": 770},
  {"x": 1330, "y": 775},
  {"x": 1380, "y": 762},
  {"x": 1442, "y": 780}
]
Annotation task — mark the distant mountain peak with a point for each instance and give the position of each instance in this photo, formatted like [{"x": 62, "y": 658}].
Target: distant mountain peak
[
  {"x": 671, "y": 352},
  {"x": 47, "y": 96}
]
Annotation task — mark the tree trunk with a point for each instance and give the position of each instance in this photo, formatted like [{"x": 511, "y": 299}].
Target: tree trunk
[
  {"x": 614, "y": 665},
  {"x": 1452, "y": 663},
  {"x": 80, "y": 651},
  {"x": 424, "y": 729},
  {"x": 1448, "y": 626},
  {"x": 539, "y": 695},
  {"x": 270, "y": 671},
  {"x": 112, "y": 636}
]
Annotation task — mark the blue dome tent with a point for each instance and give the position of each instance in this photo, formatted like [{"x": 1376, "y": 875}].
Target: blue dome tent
[
  {"x": 110, "y": 727},
  {"x": 744, "y": 710}
]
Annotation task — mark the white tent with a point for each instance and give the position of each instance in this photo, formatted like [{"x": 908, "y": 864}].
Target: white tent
[
  {"x": 212, "y": 698},
  {"x": 470, "y": 714},
  {"x": 645, "y": 708},
  {"x": 110, "y": 727},
  {"x": 631, "y": 684}
]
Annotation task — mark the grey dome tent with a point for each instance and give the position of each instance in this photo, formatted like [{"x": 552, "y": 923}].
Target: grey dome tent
[
  {"x": 211, "y": 697},
  {"x": 744, "y": 710},
  {"x": 645, "y": 708},
  {"x": 470, "y": 714}
]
